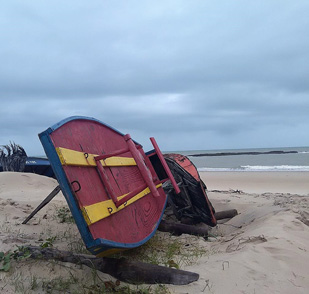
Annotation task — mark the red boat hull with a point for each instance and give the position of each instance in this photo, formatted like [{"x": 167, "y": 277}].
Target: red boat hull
[{"x": 89, "y": 185}]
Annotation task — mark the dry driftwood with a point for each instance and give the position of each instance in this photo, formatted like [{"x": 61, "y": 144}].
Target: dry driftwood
[
  {"x": 226, "y": 214},
  {"x": 133, "y": 272},
  {"x": 178, "y": 229}
]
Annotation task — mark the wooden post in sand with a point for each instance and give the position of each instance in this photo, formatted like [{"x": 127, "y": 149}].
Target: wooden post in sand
[
  {"x": 226, "y": 214},
  {"x": 43, "y": 203},
  {"x": 178, "y": 229}
]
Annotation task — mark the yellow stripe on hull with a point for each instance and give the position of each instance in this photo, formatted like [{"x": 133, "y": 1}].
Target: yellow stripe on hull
[
  {"x": 110, "y": 252},
  {"x": 95, "y": 212},
  {"x": 77, "y": 158}
]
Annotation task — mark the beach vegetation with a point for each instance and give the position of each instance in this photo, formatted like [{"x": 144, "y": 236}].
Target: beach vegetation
[
  {"x": 49, "y": 242},
  {"x": 64, "y": 215},
  {"x": 72, "y": 282},
  {"x": 34, "y": 283},
  {"x": 21, "y": 253},
  {"x": 74, "y": 285},
  {"x": 5, "y": 261},
  {"x": 164, "y": 249}
]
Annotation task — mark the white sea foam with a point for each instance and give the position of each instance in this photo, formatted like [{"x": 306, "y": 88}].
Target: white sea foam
[
  {"x": 249, "y": 168},
  {"x": 201, "y": 169},
  {"x": 276, "y": 168}
]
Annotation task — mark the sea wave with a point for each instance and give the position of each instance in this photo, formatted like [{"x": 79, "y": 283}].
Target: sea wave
[
  {"x": 276, "y": 168},
  {"x": 249, "y": 168},
  {"x": 202, "y": 169}
]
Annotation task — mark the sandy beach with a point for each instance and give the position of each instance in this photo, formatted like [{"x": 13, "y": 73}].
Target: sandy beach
[
  {"x": 259, "y": 182},
  {"x": 264, "y": 249}
]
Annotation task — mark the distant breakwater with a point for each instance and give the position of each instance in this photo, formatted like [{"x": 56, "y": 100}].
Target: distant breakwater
[{"x": 243, "y": 153}]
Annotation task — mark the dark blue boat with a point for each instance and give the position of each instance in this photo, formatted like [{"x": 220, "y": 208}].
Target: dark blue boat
[{"x": 37, "y": 165}]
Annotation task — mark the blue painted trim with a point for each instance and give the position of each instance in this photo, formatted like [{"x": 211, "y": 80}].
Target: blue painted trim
[
  {"x": 130, "y": 245},
  {"x": 52, "y": 155},
  {"x": 65, "y": 188},
  {"x": 106, "y": 244}
]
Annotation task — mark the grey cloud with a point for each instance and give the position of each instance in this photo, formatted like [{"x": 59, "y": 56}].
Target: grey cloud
[{"x": 228, "y": 71}]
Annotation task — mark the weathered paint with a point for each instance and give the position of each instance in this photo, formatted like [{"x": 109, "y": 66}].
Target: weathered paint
[
  {"x": 78, "y": 158},
  {"x": 100, "y": 210},
  {"x": 129, "y": 227},
  {"x": 190, "y": 168}
]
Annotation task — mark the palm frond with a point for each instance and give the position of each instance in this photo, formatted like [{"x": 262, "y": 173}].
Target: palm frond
[{"x": 13, "y": 157}]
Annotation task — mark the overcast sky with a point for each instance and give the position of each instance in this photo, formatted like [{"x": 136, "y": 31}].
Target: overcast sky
[{"x": 196, "y": 75}]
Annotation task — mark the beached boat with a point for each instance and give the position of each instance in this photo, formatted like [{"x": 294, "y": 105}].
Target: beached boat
[
  {"x": 40, "y": 166},
  {"x": 111, "y": 187},
  {"x": 192, "y": 204},
  {"x": 37, "y": 165}
]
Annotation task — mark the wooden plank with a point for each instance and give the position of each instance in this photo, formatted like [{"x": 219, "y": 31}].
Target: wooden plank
[
  {"x": 95, "y": 212},
  {"x": 77, "y": 158},
  {"x": 226, "y": 214},
  {"x": 51, "y": 195},
  {"x": 144, "y": 170},
  {"x": 106, "y": 182},
  {"x": 178, "y": 229},
  {"x": 165, "y": 166}
]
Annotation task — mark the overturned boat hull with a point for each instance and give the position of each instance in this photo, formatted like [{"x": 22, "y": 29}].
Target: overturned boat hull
[{"x": 113, "y": 192}]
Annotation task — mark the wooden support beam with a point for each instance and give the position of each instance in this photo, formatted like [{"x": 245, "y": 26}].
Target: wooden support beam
[
  {"x": 44, "y": 202},
  {"x": 144, "y": 170},
  {"x": 178, "y": 229},
  {"x": 133, "y": 272},
  {"x": 165, "y": 166},
  {"x": 77, "y": 158},
  {"x": 97, "y": 211},
  {"x": 226, "y": 214}
]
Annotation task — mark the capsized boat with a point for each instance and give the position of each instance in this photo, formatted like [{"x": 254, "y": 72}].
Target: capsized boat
[{"x": 110, "y": 185}]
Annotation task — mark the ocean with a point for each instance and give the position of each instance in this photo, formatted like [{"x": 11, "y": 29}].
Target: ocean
[{"x": 262, "y": 159}]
